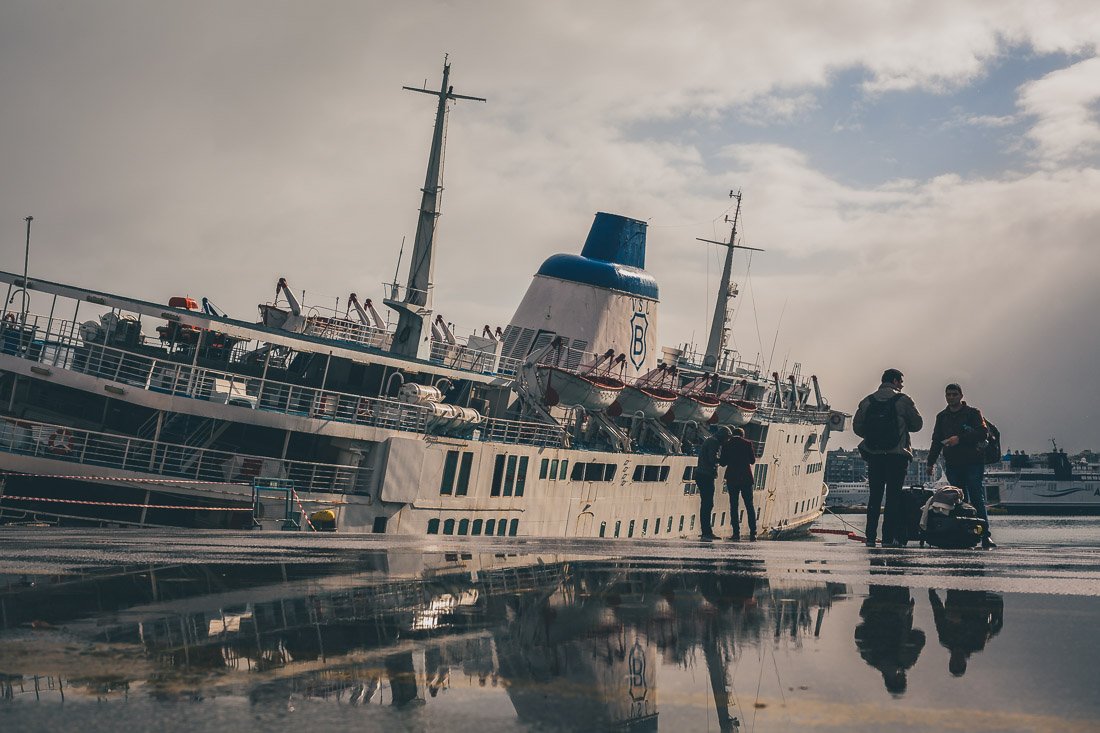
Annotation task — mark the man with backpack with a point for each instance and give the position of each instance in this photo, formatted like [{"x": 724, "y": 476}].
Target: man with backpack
[
  {"x": 706, "y": 470},
  {"x": 738, "y": 456},
  {"x": 884, "y": 420},
  {"x": 962, "y": 434}
]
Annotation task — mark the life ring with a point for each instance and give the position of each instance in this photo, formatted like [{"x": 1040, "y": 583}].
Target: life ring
[
  {"x": 836, "y": 421},
  {"x": 9, "y": 317},
  {"x": 60, "y": 442}
]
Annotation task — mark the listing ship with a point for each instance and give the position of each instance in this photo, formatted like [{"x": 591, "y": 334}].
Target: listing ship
[
  {"x": 566, "y": 423},
  {"x": 1049, "y": 483}
]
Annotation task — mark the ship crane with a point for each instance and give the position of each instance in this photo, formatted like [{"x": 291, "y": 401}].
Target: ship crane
[{"x": 368, "y": 316}]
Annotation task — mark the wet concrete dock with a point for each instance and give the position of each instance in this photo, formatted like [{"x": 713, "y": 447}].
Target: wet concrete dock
[{"x": 244, "y": 631}]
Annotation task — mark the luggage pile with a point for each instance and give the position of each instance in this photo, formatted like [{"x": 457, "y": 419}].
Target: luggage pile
[{"x": 942, "y": 518}]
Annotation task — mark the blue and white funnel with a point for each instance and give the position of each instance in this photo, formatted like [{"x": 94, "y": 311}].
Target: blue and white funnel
[{"x": 598, "y": 300}]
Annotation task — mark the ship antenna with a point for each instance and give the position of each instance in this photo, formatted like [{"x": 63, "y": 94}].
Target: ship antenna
[
  {"x": 719, "y": 331},
  {"x": 400, "y": 253},
  {"x": 415, "y": 310}
]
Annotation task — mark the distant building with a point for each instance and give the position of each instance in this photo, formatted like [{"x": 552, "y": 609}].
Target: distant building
[
  {"x": 848, "y": 466},
  {"x": 845, "y": 466},
  {"x": 917, "y": 474}
]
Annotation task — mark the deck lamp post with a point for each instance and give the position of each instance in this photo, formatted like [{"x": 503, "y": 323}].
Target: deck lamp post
[{"x": 23, "y": 290}]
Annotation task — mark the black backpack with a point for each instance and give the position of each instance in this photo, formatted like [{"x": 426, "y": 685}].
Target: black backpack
[
  {"x": 991, "y": 447},
  {"x": 881, "y": 431}
]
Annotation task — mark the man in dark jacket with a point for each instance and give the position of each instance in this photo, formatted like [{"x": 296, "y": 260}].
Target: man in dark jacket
[
  {"x": 706, "y": 470},
  {"x": 884, "y": 420},
  {"x": 960, "y": 433},
  {"x": 738, "y": 455}
]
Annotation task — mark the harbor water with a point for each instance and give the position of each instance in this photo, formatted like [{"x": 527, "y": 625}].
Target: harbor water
[{"x": 185, "y": 630}]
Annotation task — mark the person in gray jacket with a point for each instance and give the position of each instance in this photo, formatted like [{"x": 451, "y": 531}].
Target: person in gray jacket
[{"x": 884, "y": 420}]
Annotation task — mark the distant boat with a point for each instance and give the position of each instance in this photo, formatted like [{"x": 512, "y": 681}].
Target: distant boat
[
  {"x": 848, "y": 494},
  {"x": 1048, "y": 483}
]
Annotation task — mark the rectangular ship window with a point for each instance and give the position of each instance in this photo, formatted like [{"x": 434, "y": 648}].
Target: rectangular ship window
[
  {"x": 509, "y": 475},
  {"x": 446, "y": 484},
  {"x": 521, "y": 475},
  {"x": 464, "y": 474},
  {"x": 498, "y": 476},
  {"x": 543, "y": 466}
]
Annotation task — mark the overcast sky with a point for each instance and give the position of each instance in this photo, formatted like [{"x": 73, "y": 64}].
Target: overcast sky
[{"x": 924, "y": 176}]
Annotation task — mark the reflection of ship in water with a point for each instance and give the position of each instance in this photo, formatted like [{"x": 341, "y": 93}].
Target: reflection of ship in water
[{"x": 574, "y": 643}]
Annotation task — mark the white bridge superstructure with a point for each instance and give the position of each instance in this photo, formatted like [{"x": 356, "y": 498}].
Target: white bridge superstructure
[{"x": 567, "y": 422}]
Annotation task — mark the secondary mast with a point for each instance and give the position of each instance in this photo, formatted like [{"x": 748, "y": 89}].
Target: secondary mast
[
  {"x": 415, "y": 310},
  {"x": 719, "y": 323}
]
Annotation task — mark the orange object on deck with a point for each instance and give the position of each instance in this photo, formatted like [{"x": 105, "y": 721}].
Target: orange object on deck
[{"x": 183, "y": 302}]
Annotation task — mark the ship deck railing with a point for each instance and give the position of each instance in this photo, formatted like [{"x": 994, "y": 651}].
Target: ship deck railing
[
  {"x": 91, "y": 449},
  {"x": 64, "y": 349}
]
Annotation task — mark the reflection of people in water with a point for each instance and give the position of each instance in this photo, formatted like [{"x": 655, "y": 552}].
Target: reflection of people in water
[
  {"x": 886, "y": 639},
  {"x": 965, "y": 622},
  {"x": 402, "y": 674},
  {"x": 436, "y": 670}
]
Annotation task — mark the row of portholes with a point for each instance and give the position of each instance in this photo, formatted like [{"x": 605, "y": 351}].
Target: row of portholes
[
  {"x": 645, "y": 527},
  {"x": 475, "y": 527},
  {"x": 806, "y": 505}
]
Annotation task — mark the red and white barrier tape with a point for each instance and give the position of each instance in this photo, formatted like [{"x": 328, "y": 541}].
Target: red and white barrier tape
[
  {"x": 302, "y": 509},
  {"x": 135, "y": 506}
]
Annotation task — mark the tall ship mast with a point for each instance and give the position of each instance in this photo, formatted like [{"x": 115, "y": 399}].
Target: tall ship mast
[
  {"x": 412, "y": 337},
  {"x": 719, "y": 324},
  {"x": 568, "y": 421}
]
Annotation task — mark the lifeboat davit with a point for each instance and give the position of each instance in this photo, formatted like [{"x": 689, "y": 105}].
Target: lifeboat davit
[
  {"x": 734, "y": 412},
  {"x": 652, "y": 402},
  {"x": 593, "y": 392},
  {"x": 698, "y": 408}
]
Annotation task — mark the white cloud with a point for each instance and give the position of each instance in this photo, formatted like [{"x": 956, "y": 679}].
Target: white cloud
[
  {"x": 972, "y": 120},
  {"x": 776, "y": 108},
  {"x": 1064, "y": 103}
]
